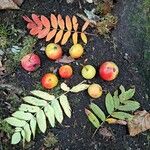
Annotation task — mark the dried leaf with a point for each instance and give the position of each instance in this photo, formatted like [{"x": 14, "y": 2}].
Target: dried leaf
[
  {"x": 64, "y": 87},
  {"x": 41, "y": 120},
  {"x": 115, "y": 121},
  {"x": 79, "y": 88},
  {"x": 75, "y": 38},
  {"x": 58, "y": 36},
  {"x": 61, "y": 22},
  {"x": 97, "y": 111},
  {"x": 84, "y": 37},
  {"x": 65, "y": 37},
  {"x": 86, "y": 24},
  {"x": 109, "y": 103},
  {"x": 68, "y": 23},
  {"x": 92, "y": 118},
  {"x": 106, "y": 133},
  {"x": 51, "y": 34},
  {"x": 16, "y": 138},
  {"x": 65, "y": 59},
  {"x": 65, "y": 105},
  {"x": 43, "y": 95},
  {"x": 8, "y": 4},
  {"x": 139, "y": 123},
  {"x": 54, "y": 21}
]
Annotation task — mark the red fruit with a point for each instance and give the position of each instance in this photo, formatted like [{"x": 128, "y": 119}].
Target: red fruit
[
  {"x": 49, "y": 81},
  {"x": 65, "y": 71},
  {"x": 108, "y": 71},
  {"x": 30, "y": 62}
]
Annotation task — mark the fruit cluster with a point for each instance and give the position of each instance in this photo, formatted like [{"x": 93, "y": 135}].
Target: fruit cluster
[{"x": 108, "y": 71}]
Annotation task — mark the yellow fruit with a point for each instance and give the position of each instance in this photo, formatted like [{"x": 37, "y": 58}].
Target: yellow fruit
[
  {"x": 76, "y": 51},
  {"x": 95, "y": 90}
]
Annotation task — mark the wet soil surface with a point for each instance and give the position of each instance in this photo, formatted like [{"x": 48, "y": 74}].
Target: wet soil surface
[{"x": 76, "y": 133}]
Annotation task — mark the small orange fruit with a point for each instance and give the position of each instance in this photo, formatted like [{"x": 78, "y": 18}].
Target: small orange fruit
[
  {"x": 65, "y": 71},
  {"x": 95, "y": 90},
  {"x": 76, "y": 51},
  {"x": 49, "y": 81},
  {"x": 53, "y": 51}
]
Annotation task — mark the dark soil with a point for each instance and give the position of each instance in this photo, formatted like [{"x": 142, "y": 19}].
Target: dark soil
[{"x": 76, "y": 133}]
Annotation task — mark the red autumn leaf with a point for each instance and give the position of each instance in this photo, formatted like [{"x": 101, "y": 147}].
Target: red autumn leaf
[
  {"x": 58, "y": 36},
  {"x": 51, "y": 34},
  {"x": 54, "y": 21},
  {"x": 37, "y": 21},
  {"x": 86, "y": 24}
]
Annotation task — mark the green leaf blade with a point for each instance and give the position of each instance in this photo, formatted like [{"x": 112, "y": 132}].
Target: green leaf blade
[
  {"x": 22, "y": 115},
  {"x": 27, "y": 132},
  {"x": 65, "y": 105},
  {"x": 33, "y": 126},
  {"x": 116, "y": 99},
  {"x": 57, "y": 110},
  {"x": 35, "y": 101},
  {"x": 15, "y": 122},
  {"x": 92, "y": 118},
  {"x": 16, "y": 138},
  {"x": 97, "y": 111},
  {"x": 43, "y": 95},
  {"x": 109, "y": 103},
  {"x": 49, "y": 112},
  {"x": 122, "y": 115},
  {"x": 41, "y": 120},
  {"x": 29, "y": 108},
  {"x": 79, "y": 88}
]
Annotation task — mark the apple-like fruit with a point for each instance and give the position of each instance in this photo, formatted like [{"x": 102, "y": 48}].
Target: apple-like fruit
[
  {"x": 53, "y": 51},
  {"x": 95, "y": 90},
  {"x": 108, "y": 71},
  {"x": 88, "y": 72},
  {"x": 49, "y": 81},
  {"x": 30, "y": 62},
  {"x": 76, "y": 51},
  {"x": 65, "y": 71}
]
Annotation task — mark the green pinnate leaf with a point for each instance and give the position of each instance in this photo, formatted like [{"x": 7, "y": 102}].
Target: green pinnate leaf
[
  {"x": 129, "y": 94},
  {"x": 65, "y": 105},
  {"x": 129, "y": 106},
  {"x": 97, "y": 111},
  {"x": 15, "y": 122},
  {"x": 35, "y": 101},
  {"x": 33, "y": 126},
  {"x": 79, "y": 88},
  {"x": 109, "y": 103},
  {"x": 29, "y": 108},
  {"x": 27, "y": 132},
  {"x": 41, "y": 120},
  {"x": 122, "y": 115},
  {"x": 116, "y": 99},
  {"x": 49, "y": 112},
  {"x": 16, "y": 138},
  {"x": 22, "y": 115},
  {"x": 43, "y": 95},
  {"x": 57, "y": 110},
  {"x": 92, "y": 118}
]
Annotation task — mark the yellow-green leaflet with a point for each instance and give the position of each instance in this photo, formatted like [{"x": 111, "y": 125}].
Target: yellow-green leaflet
[
  {"x": 41, "y": 120},
  {"x": 15, "y": 122},
  {"x": 109, "y": 103},
  {"x": 57, "y": 110},
  {"x": 34, "y": 101},
  {"x": 27, "y": 132},
  {"x": 29, "y": 108},
  {"x": 64, "y": 87},
  {"x": 22, "y": 115},
  {"x": 49, "y": 111},
  {"x": 16, "y": 137},
  {"x": 92, "y": 118},
  {"x": 98, "y": 112},
  {"x": 65, "y": 105},
  {"x": 79, "y": 88},
  {"x": 122, "y": 115},
  {"x": 43, "y": 95},
  {"x": 116, "y": 99},
  {"x": 33, "y": 126}
]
